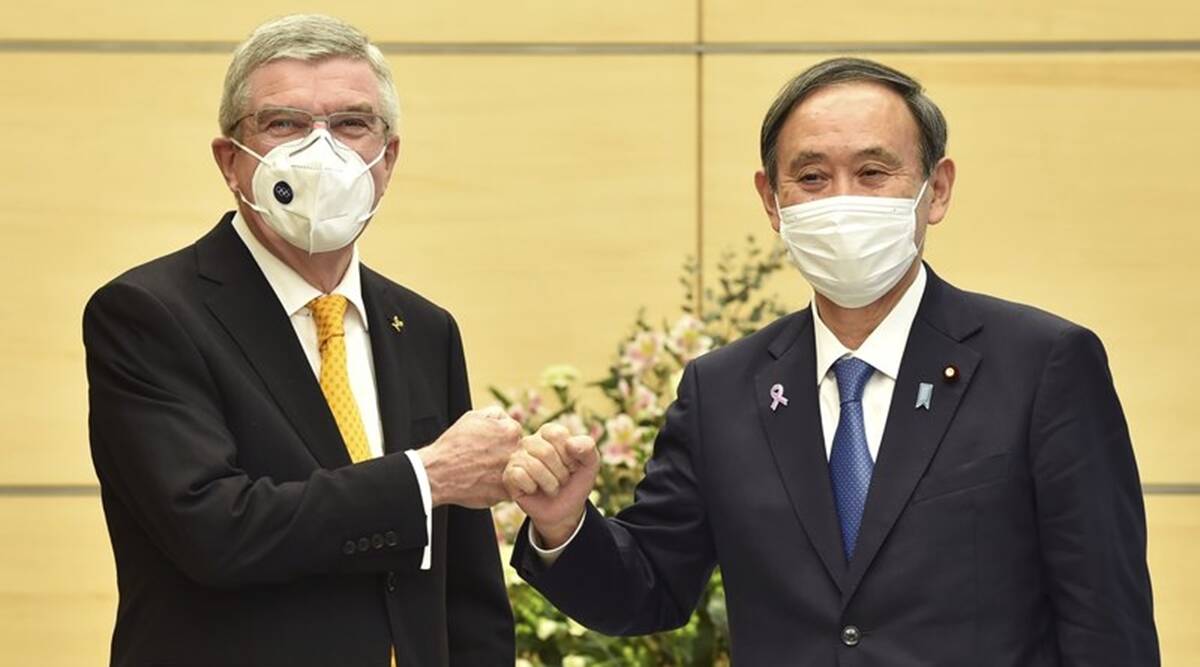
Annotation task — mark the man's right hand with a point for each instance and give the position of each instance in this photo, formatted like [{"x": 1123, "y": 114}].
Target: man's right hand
[
  {"x": 465, "y": 464},
  {"x": 550, "y": 477}
]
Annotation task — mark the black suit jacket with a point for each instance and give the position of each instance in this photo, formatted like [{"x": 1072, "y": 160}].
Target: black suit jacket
[
  {"x": 242, "y": 533},
  {"x": 1004, "y": 526}
]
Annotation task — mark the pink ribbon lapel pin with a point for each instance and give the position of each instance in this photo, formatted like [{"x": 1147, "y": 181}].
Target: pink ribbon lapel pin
[{"x": 777, "y": 397}]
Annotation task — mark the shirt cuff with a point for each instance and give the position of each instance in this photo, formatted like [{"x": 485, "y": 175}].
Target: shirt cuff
[
  {"x": 548, "y": 556},
  {"x": 427, "y": 502}
]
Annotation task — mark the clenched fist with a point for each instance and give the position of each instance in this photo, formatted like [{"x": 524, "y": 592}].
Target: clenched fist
[
  {"x": 550, "y": 477},
  {"x": 466, "y": 463}
]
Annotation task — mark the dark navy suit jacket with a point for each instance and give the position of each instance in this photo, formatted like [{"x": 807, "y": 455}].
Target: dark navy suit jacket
[{"x": 1004, "y": 525}]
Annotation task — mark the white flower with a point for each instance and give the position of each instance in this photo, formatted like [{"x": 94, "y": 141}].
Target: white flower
[
  {"x": 573, "y": 423},
  {"x": 687, "y": 338},
  {"x": 559, "y": 376},
  {"x": 522, "y": 662},
  {"x": 511, "y": 578},
  {"x": 676, "y": 378},
  {"x": 575, "y": 629},
  {"x": 546, "y": 629},
  {"x": 574, "y": 661}
]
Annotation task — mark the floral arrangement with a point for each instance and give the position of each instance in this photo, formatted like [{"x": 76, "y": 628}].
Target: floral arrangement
[{"x": 641, "y": 382}]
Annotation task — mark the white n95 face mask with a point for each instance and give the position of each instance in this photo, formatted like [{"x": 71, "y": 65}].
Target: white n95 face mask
[
  {"x": 315, "y": 192},
  {"x": 851, "y": 249}
]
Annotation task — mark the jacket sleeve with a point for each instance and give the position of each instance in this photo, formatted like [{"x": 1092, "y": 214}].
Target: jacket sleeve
[
  {"x": 162, "y": 449},
  {"x": 1091, "y": 518},
  {"x": 644, "y": 570},
  {"x": 479, "y": 617}
]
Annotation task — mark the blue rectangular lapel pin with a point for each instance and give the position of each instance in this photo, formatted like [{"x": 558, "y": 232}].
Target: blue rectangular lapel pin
[{"x": 924, "y": 395}]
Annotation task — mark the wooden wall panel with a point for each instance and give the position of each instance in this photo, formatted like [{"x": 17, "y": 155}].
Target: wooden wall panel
[
  {"x": 1072, "y": 195},
  {"x": 57, "y": 583},
  {"x": 407, "y": 20},
  {"x": 543, "y": 200},
  {"x": 948, "y": 21},
  {"x": 1174, "y": 549},
  {"x": 109, "y": 167},
  {"x": 540, "y": 199}
]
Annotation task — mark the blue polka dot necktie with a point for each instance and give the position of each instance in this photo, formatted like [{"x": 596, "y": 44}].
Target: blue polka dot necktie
[{"x": 850, "y": 461}]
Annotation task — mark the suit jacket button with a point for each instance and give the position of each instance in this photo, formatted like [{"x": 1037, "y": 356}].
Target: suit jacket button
[
  {"x": 851, "y": 635},
  {"x": 377, "y": 541},
  {"x": 391, "y": 582},
  {"x": 348, "y": 548},
  {"x": 363, "y": 544},
  {"x": 390, "y": 538}
]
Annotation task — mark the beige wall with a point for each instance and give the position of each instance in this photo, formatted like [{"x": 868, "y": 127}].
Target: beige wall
[{"x": 559, "y": 161}]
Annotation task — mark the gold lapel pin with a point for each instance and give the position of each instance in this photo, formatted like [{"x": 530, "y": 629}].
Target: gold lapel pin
[
  {"x": 397, "y": 323},
  {"x": 950, "y": 374}
]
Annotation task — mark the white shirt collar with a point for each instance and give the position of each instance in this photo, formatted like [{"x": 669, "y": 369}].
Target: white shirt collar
[
  {"x": 293, "y": 291},
  {"x": 884, "y": 347}
]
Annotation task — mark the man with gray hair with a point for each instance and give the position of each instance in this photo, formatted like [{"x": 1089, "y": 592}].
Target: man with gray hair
[
  {"x": 290, "y": 469},
  {"x": 903, "y": 474}
]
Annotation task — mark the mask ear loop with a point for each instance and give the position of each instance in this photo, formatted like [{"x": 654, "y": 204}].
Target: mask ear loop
[
  {"x": 251, "y": 204},
  {"x": 247, "y": 149},
  {"x": 913, "y": 213},
  {"x": 920, "y": 193},
  {"x": 261, "y": 160},
  {"x": 374, "y": 162}
]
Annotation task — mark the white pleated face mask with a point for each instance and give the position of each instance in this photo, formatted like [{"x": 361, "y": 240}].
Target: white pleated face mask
[
  {"x": 315, "y": 192},
  {"x": 852, "y": 249}
]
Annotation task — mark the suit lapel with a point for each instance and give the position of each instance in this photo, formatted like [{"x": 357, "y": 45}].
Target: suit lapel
[
  {"x": 912, "y": 436},
  {"x": 796, "y": 440},
  {"x": 390, "y": 351},
  {"x": 250, "y": 312}
]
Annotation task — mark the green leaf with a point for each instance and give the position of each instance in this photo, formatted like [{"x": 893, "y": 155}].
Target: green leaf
[{"x": 500, "y": 396}]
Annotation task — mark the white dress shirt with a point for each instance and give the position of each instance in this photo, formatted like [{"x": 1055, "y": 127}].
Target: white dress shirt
[
  {"x": 294, "y": 294},
  {"x": 883, "y": 350}
]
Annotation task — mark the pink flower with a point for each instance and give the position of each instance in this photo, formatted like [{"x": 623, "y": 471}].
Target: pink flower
[
  {"x": 640, "y": 400},
  {"x": 622, "y": 438},
  {"x": 527, "y": 406},
  {"x": 687, "y": 339},
  {"x": 518, "y": 412},
  {"x": 642, "y": 352},
  {"x": 533, "y": 401},
  {"x": 507, "y": 518}
]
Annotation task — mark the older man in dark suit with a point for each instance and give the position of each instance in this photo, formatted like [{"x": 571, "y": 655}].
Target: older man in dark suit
[
  {"x": 903, "y": 474},
  {"x": 261, "y": 404}
]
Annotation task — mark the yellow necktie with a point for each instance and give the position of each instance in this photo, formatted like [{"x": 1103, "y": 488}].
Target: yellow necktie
[{"x": 330, "y": 312}]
